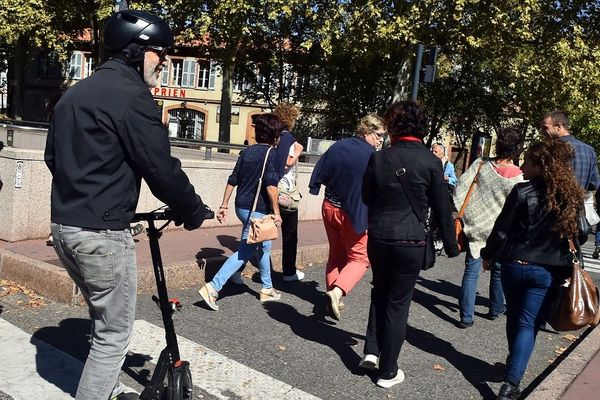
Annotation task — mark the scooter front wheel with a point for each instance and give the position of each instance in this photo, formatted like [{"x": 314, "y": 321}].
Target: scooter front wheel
[{"x": 179, "y": 383}]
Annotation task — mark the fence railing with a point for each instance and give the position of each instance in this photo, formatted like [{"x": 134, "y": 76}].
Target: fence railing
[{"x": 208, "y": 146}]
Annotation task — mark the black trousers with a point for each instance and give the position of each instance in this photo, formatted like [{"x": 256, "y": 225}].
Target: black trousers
[
  {"x": 289, "y": 241},
  {"x": 395, "y": 272}
]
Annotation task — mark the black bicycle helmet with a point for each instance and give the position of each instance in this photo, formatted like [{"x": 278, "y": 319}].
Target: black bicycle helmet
[{"x": 139, "y": 27}]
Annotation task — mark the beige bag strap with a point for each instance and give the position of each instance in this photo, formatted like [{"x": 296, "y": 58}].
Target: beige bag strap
[
  {"x": 260, "y": 181},
  {"x": 470, "y": 192}
]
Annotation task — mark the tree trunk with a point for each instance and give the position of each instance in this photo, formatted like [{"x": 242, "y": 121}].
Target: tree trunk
[
  {"x": 15, "y": 80},
  {"x": 226, "y": 96},
  {"x": 403, "y": 82}
]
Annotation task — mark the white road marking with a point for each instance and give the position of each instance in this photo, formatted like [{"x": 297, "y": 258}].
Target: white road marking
[{"x": 216, "y": 374}]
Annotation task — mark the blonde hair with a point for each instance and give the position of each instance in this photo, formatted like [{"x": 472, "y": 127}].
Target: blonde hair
[
  {"x": 369, "y": 123},
  {"x": 287, "y": 113}
]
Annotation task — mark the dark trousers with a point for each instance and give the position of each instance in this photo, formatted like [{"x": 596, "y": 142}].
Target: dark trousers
[
  {"x": 289, "y": 241},
  {"x": 395, "y": 272}
]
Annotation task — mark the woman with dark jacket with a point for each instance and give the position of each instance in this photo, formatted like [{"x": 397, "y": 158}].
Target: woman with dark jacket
[
  {"x": 396, "y": 244},
  {"x": 530, "y": 241},
  {"x": 245, "y": 176}
]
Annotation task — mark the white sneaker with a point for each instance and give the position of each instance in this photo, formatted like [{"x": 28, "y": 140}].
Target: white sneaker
[
  {"x": 369, "y": 361},
  {"x": 298, "y": 276},
  {"x": 236, "y": 278},
  {"x": 388, "y": 383}
]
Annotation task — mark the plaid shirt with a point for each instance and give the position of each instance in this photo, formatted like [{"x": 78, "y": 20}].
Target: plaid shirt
[{"x": 585, "y": 163}]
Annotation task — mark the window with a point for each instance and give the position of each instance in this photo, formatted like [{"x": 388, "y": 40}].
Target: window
[
  {"x": 206, "y": 74},
  {"x": 235, "y": 115},
  {"x": 188, "y": 75},
  {"x": 177, "y": 66},
  {"x": 89, "y": 66},
  {"x": 164, "y": 75},
  {"x": 75, "y": 65},
  {"x": 48, "y": 65},
  {"x": 186, "y": 124}
]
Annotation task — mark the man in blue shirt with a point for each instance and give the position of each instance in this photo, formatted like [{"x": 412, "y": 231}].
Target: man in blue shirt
[{"x": 585, "y": 164}]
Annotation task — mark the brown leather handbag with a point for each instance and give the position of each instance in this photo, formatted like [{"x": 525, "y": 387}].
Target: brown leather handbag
[
  {"x": 461, "y": 240},
  {"x": 575, "y": 303}
]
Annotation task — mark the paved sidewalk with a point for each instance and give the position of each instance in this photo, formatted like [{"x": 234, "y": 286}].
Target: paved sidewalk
[{"x": 187, "y": 256}]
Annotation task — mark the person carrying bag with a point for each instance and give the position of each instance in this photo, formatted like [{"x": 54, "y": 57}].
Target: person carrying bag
[
  {"x": 257, "y": 209},
  {"x": 264, "y": 228}
]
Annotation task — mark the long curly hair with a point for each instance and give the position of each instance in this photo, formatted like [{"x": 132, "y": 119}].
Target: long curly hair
[{"x": 564, "y": 196}]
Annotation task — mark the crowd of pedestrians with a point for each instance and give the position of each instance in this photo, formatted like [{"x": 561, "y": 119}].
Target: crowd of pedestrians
[{"x": 380, "y": 203}]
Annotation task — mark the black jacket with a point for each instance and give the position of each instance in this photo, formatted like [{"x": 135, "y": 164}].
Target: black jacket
[
  {"x": 106, "y": 134},
  {"x": 523, "y": 230},
  {"x": 391, "y": 216}
]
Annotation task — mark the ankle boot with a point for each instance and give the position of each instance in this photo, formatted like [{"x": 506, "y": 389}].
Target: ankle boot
[{"x": 508, "y": 391}]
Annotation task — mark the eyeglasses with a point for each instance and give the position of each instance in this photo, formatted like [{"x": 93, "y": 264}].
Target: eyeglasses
[
  {"x": 160, "y": 51},
  {"x": 380, "y": 135}
]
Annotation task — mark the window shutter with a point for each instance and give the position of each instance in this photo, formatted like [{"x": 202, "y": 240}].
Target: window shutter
[{"x": 213, "y": 76}]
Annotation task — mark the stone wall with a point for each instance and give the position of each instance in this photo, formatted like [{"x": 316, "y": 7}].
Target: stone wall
[{"x": 25, "y": 210}]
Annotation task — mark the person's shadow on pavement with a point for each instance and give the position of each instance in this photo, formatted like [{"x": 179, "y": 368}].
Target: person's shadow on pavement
[
  {"x": 477, "y": 372},
  {"x": 443, "y": 287},
  {"x": 314, "y": 330},
  {"x": 72, "y": 336}
]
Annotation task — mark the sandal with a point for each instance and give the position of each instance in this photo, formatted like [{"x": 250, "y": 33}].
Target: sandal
[
  {"x": 269, "y": 295},
  {"x": 209, "y": 297}
]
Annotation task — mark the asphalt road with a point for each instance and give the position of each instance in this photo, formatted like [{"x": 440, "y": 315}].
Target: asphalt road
[{"x": 294, "y": 342}]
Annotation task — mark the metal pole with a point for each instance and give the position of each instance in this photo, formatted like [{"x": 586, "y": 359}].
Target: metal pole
[{"x": 417, "y": 72}]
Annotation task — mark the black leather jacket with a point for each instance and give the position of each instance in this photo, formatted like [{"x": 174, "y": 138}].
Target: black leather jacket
[
  {"x": 105, "y": 136},
  {"x": 391, "y": 216},
  {"x": 524, "y": 230}
]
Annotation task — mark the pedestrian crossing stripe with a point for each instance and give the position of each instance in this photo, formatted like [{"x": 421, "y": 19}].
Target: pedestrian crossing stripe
[
  {"x": 590, "y": 264},
  {"x": 216, "y": 374},
  {"x": 33, "y": 369}
]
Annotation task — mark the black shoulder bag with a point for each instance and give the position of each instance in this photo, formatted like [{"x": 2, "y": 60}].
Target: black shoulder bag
[{"x": 400, "y": 171}]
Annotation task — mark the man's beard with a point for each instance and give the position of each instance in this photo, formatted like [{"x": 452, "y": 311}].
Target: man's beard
[{"x": 150, "y": 73}]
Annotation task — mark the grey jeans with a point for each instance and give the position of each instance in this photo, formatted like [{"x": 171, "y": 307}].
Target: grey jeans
[{"x": 102, "y": 264}]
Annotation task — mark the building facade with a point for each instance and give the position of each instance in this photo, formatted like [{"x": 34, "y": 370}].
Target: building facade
[{"x": 188, "y": 97}]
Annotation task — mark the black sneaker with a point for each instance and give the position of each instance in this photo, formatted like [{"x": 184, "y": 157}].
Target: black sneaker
[
  {"x": 596, "y": 253},
  {"x": 508, "y": 392},
  {"x": 465, "y": 325}
]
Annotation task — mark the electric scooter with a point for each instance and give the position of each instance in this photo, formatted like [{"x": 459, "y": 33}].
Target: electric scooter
[{"x": 171, "y": 379}]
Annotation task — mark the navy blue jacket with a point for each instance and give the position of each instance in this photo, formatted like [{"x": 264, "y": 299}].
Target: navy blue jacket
[
  {"x": 341, "y": 169},
  {"x": 246, "y": 173}
]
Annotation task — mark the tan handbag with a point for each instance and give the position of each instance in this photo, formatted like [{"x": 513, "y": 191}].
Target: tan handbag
[
  {"x": 261, "y": 229},
  {"x": 576, "y": 302},
  {"x": 461, "y": 239}
]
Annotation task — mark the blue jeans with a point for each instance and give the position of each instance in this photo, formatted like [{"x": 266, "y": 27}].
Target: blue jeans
[
  {"x": 597, "y": 239},
  {"x": 468, "y": 290},
  {"x": 526, "y": 287},
  {"x": 102, "y": 264},
  {"x": 245, "y": 251}
]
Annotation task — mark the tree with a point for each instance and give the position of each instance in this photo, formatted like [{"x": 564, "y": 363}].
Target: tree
[{"x": 51, "y": 25}]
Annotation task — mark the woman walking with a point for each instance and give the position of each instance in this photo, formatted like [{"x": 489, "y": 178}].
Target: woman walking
[
  {"x": 530, "y": 241},
  {"x": 245, "y": 176},
  {"x": 341, "y": 169},
  {"x": 493, "y": 179},
  {"x": 396, "y": 244}
]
